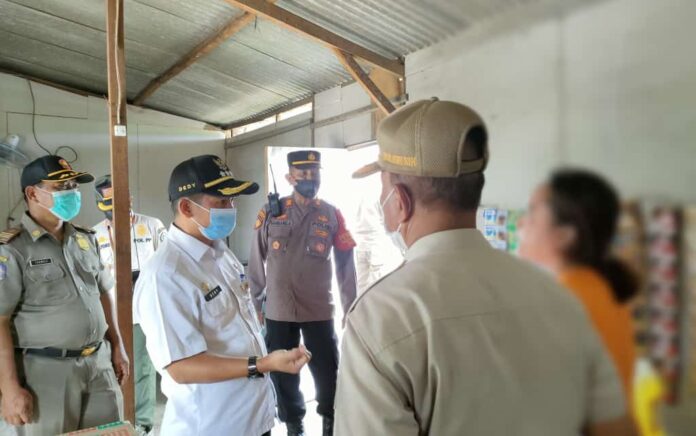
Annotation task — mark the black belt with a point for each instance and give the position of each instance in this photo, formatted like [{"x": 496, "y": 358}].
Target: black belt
[{"x": 59, "y": 352}]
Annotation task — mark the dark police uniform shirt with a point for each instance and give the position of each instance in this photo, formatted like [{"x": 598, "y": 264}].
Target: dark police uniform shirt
[
  {"x": 51, "y": 288},
  {"x": 290, "y": 261}
]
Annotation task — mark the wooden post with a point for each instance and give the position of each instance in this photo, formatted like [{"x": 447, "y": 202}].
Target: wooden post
[
  {"x": 360, "y": 76},
  {"x": 119, "y": 176}
]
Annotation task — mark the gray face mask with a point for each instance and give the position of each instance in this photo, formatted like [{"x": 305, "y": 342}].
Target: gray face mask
[
  {"x": 307, "y": 188},
  {"x": 396, "y": 236}
]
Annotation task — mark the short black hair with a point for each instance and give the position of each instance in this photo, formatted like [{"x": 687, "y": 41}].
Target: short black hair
[
  {"x": 461, "y": 193},
  {"x": 174, "y": 204}
]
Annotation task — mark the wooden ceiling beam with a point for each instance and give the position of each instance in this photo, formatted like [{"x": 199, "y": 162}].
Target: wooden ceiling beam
[
  {"x": 360, "y": 76},
  {"x": 287, "y": 19},
  {"x": 201, "y": 50}
]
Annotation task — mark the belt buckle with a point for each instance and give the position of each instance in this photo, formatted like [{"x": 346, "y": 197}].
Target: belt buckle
[{"x": 88, "y": 351}]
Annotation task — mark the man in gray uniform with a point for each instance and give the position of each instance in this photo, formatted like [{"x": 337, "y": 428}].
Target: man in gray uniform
[
  {"x": 60, "y": 347},
  {"x": 290, "y": 267}
]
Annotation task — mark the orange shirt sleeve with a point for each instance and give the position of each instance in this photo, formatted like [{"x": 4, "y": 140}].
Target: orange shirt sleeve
[{"x": 612, "y": 320}]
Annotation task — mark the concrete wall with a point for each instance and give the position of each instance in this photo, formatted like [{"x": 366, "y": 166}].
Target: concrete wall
[
  {"x": 157, "y": 142},
  {"x": 609, "y": 86},
  {"x": 339, "y": 101}
]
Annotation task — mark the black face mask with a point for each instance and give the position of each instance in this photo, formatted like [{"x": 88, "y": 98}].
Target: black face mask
[{"x": 307, "y": 188}]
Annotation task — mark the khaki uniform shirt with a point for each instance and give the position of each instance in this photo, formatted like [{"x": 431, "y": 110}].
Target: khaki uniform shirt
[
  {"x": 51, "y": 289},
  {"x": 290, "y": 263},
  {"x": 463, "y": 339}
]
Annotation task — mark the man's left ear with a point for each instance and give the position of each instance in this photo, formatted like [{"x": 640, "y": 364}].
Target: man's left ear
[{"x": 406, "y": 202}]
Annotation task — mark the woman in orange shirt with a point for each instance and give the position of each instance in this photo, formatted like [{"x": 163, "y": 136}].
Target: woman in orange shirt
[{"x": 568, "y": 230}]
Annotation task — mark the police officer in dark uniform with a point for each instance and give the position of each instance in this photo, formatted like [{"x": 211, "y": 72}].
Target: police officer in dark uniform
[
  {"x": 290, "y": 270},
  {"x": 60, "y": 348}
]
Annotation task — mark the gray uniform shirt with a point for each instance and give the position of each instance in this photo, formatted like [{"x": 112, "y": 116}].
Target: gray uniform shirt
[
  {"x": 290, "y": 262},
  {"x": 463, "y": 339},
  {"x": 51, "y": 288}
]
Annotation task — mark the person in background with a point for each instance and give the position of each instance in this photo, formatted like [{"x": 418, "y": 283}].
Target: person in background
[
  {"x": 568, "y": 230},
  {"x": 192, "y": 300},
  {"x": 290, "y": 268},
  {"x": 146, "y": 235},
  {"x": 375, "y": 255},
  {"x": 462, "y": 338},
  {"x": 61, "y": 355}
]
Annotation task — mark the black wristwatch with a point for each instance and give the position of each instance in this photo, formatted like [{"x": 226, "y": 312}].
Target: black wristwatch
[{"x": 252, "y": 369}]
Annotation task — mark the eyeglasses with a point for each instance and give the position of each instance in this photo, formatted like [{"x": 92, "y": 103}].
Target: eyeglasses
[{"x": 60, "y": 186}]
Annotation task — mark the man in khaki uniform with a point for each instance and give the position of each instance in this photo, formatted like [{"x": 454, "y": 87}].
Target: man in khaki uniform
[
  {"x": 290, "y": 267},
  {"x": 463, "y": 339},
  {"x": 59, "y": 340}
]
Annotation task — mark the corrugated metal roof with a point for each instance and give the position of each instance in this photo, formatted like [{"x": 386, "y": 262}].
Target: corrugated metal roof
[
  {"x": 396, "y": 27},
  {"x": 262, "y": 68}
]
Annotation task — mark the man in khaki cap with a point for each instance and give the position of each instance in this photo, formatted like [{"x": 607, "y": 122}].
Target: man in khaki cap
[{"x": 463, "y": 339}]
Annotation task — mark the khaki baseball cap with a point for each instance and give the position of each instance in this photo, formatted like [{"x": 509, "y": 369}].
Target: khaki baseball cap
[{"x": 427, "y": 138}]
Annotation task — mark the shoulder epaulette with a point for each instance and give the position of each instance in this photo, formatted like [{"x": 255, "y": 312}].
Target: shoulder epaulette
[
  {"x": 9, "y": 234},
  {"x": 84, "y": 229}
]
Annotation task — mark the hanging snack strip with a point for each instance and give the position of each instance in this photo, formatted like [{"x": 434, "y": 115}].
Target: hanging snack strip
[
  {"x": 664, "y": 295},
  {"x": 690, "y": 287}
]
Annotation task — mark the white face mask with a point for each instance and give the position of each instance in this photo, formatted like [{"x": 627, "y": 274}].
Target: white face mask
[{"x": 396, "y": 236}]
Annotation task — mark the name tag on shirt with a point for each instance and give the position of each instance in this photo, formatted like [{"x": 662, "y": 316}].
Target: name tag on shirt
[
  {"x": 36, "y": 262},
  {"x": 213, "y": 293}
]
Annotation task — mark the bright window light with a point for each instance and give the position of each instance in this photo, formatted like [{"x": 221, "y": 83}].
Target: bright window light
[
  {"x": 299, "y": 110},
  {"x": 254, "y": 126}
]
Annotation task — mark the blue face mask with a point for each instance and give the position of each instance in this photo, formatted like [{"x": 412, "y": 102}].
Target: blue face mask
[
  {"x": 222, "y": 222},
  {"x": 66, "y": 204}
]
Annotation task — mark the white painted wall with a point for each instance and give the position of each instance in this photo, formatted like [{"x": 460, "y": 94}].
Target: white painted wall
[
  {"x": 609, "y": 86},
  {"x": 157, "y": 142},
  {"x": 338, "y": 101}
]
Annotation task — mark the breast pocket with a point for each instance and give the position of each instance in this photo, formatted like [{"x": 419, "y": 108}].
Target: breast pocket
[
  {"x": 318, "y": 246},
  {"x": 217, "y": 302},
  {"x": 278, "y": 237},
  {"x": 44, "y": 285},
  {"x": 319, "y": 240},
  {"x": 89, "y": 266}
]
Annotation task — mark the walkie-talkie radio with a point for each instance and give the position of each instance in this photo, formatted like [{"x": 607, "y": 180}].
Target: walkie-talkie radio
[{"x": 274, "y": 199}]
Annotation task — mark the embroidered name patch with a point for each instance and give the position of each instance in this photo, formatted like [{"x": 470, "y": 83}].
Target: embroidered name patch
[
  {"x": 213, "y": 293},
  {"x": 35, "y": 262}
]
